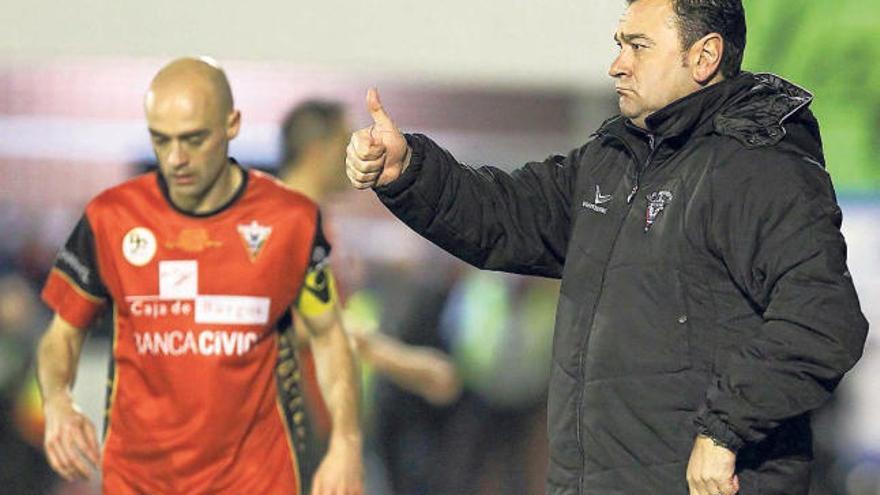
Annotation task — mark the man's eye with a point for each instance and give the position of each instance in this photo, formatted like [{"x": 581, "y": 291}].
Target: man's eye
[
  {"x": 638, "y": 46},
  {"x": 195, "y": 141},
  {"x": 160, "y": 141}
]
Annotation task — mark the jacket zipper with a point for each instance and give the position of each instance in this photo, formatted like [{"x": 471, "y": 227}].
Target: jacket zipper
[
  {"x": 629, "y": 200},
  {"x": 635, "y": 189}
]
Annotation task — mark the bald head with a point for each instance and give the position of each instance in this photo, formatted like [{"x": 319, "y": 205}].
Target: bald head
[
  {"x": 187, "y": 83},
  {"x": 191, "y": 121}
]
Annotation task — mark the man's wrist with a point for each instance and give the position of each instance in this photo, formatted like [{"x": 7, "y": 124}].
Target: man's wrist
[
  {"x": 58, "y": 397},
  {"x": 406, "y": 159},
  {"x": 346, "y": 441}
]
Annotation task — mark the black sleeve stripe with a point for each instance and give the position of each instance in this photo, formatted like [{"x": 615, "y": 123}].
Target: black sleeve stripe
[{"x": 78, "y": 260}]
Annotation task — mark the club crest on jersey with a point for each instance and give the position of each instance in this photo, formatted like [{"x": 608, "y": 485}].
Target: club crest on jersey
[
  {"x": 254, "y": 236},
  {"x": 139, "y": 246},
  {"x": 657, "y": 202},
  {"x": 193, "y": 241}
]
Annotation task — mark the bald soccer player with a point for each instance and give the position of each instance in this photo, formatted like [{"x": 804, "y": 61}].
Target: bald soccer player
[{"x": 199, "y": 263}]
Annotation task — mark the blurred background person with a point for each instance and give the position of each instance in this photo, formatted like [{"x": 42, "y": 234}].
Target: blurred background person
[
  {"x": 314, "y": 136},
  {"x": 23, "y": 468}
]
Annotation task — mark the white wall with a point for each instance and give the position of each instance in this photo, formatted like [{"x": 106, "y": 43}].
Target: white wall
[{"x": 564, "y": 43}]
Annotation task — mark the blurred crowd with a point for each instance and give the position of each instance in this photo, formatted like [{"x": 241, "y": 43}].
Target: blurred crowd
[{"x": 454, "y": 361}]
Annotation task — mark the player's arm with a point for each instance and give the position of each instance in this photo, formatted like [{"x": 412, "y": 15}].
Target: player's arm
[
  {"x": 423, "y": 371},
  {"x": 70, "y": 438},
  {"x": 341, "y": 471}
]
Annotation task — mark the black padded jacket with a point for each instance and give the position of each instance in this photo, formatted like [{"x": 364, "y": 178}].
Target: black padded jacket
[{"x": 704, "y": 283}]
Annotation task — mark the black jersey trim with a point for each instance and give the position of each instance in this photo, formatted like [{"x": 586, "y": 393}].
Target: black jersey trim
[{"x": 163, "y": 186}]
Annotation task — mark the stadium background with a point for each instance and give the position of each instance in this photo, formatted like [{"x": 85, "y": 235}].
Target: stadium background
[{"x": 496, "y": 83}]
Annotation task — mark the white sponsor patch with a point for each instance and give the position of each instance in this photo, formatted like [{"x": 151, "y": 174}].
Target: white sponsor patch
[
  {"x": 232, "y": 310},
  {"x": 149, "y": 307},
  {"x": 204, "y": 343},
  {"x": 178, "y": 279},
  {"x": 139, "y": 246}
]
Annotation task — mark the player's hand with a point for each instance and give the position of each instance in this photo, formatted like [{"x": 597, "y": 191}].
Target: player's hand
[
  {"x": 70, "y": 440},
  {"x": 378, "y": 154},
  {"x": 711, "y": 469},
  {"x": 341, "y": 472}
]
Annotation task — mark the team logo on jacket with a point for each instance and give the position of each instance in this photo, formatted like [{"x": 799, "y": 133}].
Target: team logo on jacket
[
  {"x": 193, "y": 241},
  {"x": 139, "y": 246},
  {"x": 254, "y": 236},
  {"x": 600, "y": 200},
  {"x": 657, "y": 202}
]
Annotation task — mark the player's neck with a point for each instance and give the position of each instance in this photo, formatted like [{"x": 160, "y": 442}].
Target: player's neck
[
  {"x": 300, "y": 179},
  {"x": 220, "y": 192}
]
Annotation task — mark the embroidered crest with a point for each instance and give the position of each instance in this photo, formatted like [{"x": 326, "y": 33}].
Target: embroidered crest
[
  {"x": 139, "y": 246},
  {"x": 254, "y": 236},
  {"x": 193, "y": 241},
  {"x": 657, "y": 202}
]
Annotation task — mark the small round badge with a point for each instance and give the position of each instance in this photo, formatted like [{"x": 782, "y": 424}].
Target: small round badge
[{"x": 139, "y": 246}]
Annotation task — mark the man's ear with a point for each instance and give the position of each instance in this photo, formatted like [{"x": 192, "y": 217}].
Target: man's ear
[
  {"x": 233, "y": 124},
  {"x": 705, "y": 58}
]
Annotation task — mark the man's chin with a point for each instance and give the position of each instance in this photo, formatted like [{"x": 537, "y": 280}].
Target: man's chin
[{"x": 627, "y": 110}]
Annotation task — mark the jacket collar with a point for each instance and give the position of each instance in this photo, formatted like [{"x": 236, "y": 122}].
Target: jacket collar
[{"x": 752, "y": 108}]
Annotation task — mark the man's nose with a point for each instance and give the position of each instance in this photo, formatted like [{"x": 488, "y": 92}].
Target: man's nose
[
  {"x": 177, "y": 156},
  {"x": 618, "y": 68}
]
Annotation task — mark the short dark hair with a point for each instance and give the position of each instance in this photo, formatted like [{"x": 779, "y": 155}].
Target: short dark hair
[
  {"x": 697, "y": 18},
  {"x": 307, "y": 122}
]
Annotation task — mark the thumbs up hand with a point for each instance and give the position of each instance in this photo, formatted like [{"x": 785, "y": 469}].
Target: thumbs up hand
[{"x": 378, "y": 154}]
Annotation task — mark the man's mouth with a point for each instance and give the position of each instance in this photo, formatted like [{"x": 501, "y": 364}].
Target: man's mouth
[{"x": 184, "y": 179}]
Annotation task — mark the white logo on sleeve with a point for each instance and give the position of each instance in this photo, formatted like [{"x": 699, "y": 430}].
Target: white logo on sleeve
[{"x": 139, "y": 246}]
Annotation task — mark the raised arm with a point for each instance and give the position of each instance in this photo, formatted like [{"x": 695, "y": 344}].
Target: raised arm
[{"x": 517, "y": 222}]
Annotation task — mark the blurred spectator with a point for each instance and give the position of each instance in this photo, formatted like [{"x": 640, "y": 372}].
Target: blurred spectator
[
  {"x": 492, "y": 438},
  {"x": 23, "y": 469},
  {"x": 499, "y": 328},
  {"x": 314, "y": 135}
]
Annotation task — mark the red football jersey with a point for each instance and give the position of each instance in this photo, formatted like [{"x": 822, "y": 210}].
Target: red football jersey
[{"x": 204, "y": 391}]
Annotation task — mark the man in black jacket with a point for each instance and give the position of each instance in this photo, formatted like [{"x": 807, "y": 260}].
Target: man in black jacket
[{"x": 706, "y": 308}]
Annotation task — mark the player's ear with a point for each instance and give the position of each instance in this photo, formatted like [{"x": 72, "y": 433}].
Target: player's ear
[{"x": 233, "y": 124}]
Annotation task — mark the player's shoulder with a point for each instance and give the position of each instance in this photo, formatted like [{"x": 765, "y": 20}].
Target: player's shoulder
[
  {"x": 275, "y": 194},
  {"x": 132, "y": 193}
]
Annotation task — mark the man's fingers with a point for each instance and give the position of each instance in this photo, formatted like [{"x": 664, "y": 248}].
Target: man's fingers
[
  {"x": 363, "y": 147},
  {"x": 374, "y": 106},
  {"x": 56, "y": 463},
  {"x": 363, "y": 174},
  {"x": 85, "y": 443},
  {"x": 357, "y": 183},
  {"x": 64, "y": 464},
  {"x": 93, "y": 450},
  {"x": 70, "y": 443},
  {"x": 365, "y": 166}
]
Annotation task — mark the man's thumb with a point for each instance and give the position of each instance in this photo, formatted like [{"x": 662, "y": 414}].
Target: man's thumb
[{"x": 374, "y": 106}]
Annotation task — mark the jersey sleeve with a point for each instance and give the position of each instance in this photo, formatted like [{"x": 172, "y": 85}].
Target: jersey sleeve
[
  {"x": 318, "y": 293},
  {"x": 74, "y": 288}
]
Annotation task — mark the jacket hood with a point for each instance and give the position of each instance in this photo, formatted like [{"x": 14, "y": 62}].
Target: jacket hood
[{"x": 771, "y": 109}]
